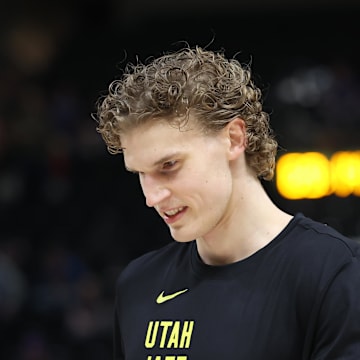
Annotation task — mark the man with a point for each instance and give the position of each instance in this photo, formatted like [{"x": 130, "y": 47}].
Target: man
[{"x": 244, "y": 279}]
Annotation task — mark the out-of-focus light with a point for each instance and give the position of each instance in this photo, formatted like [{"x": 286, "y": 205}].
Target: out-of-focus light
[
  {"x": 303, "y": 175},
  {"x": 305, "y": 86},
  {"x": 345, "y": 173},
  {"x": 311, "y": 175}
]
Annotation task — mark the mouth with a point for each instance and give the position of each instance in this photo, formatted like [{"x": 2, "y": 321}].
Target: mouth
[{"x": 170, "y": 216}]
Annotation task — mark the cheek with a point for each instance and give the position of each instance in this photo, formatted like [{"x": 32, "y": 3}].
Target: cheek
[
  {"x": 214, "y": 189},
  {"x": 219, "y": 188},
  {"x": 206, "y": 182}
]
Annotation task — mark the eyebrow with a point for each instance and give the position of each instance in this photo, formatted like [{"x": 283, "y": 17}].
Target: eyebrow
[{"x": 162, "y": 160}]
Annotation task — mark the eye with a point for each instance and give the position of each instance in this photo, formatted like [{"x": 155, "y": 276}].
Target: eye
[{"x": 169, "y": 165}]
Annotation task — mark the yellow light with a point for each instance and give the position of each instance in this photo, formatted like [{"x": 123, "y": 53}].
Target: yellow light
[
  {"x": 303, "y": 175},
  {"x": 345, "y": 173},
  {"x": 286, "y": 179},
  {"x": 312, "y": 175}
]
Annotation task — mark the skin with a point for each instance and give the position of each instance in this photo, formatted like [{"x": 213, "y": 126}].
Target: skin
[{"x": 220, "y": 201}]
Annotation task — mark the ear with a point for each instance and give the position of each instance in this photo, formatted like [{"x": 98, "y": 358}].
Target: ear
[{"x": 236, "y": 133}]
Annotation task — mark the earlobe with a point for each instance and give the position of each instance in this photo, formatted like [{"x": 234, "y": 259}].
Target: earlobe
[{"x": 236, "y": 131}]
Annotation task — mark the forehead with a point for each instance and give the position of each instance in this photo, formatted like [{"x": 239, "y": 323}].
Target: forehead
[{"x": 150, "y": 142}]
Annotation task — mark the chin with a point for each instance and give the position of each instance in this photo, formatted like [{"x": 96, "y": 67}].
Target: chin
[{"x": 181, "y": 237}]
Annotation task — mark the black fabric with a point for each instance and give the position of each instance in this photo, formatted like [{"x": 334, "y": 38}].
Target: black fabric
[{"x": 296, "y": 298}]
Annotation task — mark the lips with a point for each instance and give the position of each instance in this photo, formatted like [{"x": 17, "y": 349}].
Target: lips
[
  {"x": 173, "y": 215},
  {"x": 173, "y": 212}
]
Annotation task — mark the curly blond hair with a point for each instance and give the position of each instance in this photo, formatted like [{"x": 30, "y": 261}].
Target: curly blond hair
[{"x": 204, "y": 83}]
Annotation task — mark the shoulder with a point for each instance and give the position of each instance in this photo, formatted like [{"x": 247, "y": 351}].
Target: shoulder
[
  {"x": 312, "y": 258},
  {"x": 319, "y": 237},
  {"x": 316, "y": 249}
]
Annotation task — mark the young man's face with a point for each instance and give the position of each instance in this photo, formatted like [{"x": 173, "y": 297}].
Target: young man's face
[{"x": 184, "y": 174}]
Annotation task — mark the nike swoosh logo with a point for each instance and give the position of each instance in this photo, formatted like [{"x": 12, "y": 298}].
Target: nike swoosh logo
[{"x": 162, "y": 297}]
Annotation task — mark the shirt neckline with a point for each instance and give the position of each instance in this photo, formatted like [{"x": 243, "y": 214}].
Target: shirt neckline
[{"x": 202, "y": 269}]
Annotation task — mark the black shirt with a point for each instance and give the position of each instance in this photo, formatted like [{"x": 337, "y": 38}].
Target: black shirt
[{"x": 296, "y": 298}]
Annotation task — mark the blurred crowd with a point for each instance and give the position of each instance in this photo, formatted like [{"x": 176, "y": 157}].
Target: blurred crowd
[
  {"x": 71, "y": 218},
  {"x": 63, "y": 235}
]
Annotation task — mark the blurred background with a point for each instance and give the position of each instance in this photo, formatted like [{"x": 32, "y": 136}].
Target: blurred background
[{"x": 71, "y": 217}]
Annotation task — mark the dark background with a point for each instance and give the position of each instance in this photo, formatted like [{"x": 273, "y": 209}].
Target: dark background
[{"x": 71, "y": 217}]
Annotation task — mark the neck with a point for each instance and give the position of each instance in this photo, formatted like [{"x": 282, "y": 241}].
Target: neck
[{"x": 251, "y": 222}]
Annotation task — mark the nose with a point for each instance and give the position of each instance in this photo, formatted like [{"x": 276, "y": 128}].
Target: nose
[{"x": 154, "y": 191}]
